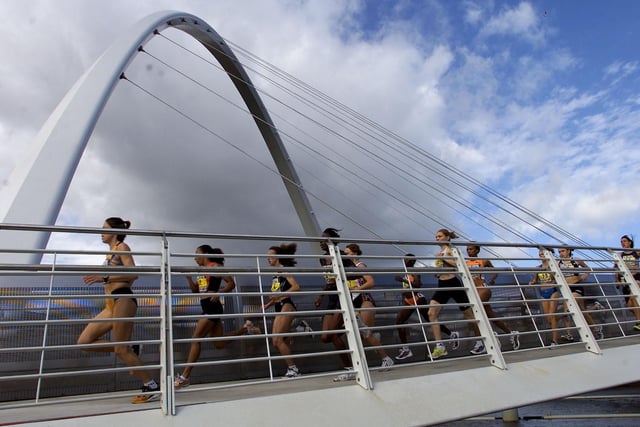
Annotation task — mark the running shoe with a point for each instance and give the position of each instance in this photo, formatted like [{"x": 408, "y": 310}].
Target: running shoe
[
  {"x": 387, "y": 363},
  {"x": 478, "y": 348},
  {"x": 455, "y": 340},
  {"x": 514, "y": 339},
  {"x": 292, "y": 372},
  {"x": 181, "y": 382},
  {"x": 636, "y": 327},
  {"x": 439, "y": 351},
  {"x": 597, "y": 306},
  {"x": 553, "y": 345},
  {"x": 152, "y": 393},
  {"x": 405, "y": 352},
  {"x": 567, "y": 337},
  {"x": 303, "y": 326},
  {"x": 251, "y": 329},
  {"x": 349, "y": 375},
  {"x": 599, "y": 332}
]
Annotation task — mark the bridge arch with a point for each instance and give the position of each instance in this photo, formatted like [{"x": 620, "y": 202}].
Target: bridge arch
[{"x": 35, "y": 191}]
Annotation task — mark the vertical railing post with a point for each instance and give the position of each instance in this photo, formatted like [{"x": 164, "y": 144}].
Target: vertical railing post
[
  {"x": 166, "y": 332},
  {"x": 628, "y": 276},
  {"x": 46, "y": 328},
  {"x": 354, "y": 341},
  {"x": 264, "y": 317},
  {"x": 490, "y": 341},
  {"x": 571, "y": 304}
]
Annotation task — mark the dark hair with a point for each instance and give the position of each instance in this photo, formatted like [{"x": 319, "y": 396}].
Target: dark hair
[
  {"x": 331, "y": 232},
  {"x": 285, "y": 249},
  {"x": 474, "y": 246},
  {"x": 626, "y": 236},
  {"x": 353, "y": 247},
  {"x": 410, "y": 258},
  {"x": 206, "y": 249},
  {"x": 117, "y": 222},
  {"x": 450, "y": 234},
  {"x": 566, "y": 247}
]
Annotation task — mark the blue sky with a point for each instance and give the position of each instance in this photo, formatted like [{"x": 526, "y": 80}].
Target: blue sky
[{"x": 539, "y": 100}]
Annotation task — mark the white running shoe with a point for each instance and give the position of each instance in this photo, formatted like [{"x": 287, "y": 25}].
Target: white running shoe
[
  {"x": 567, "y": 337},
  {"x": 478, "y": 348},
  {"x": 405, "y": 353},
  {"x": 349, "y": 375},
  {"x": 251, "y": 329},
  {"x": 455, "y": 340},
  {"x": 515, "y": 339},
  {"x": 292, "y": 372},
  {"x": 387, "y": 363},
  {"x": 303, "y": 326}
]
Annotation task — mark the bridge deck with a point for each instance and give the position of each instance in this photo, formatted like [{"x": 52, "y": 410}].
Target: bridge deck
[{"x": 410, "y": 395}]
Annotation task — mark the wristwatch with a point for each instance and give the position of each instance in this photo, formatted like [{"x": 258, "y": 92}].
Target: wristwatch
[{"x": 105, "y": 279}]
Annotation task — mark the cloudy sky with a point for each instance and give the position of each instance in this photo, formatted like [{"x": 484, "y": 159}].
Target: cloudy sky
[{"x": 539, "y": 101}]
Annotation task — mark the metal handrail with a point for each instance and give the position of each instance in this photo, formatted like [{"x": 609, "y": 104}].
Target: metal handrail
[{"x": 171, "y": 318}]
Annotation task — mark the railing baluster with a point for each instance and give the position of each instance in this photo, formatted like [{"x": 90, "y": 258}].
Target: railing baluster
[
  {"x": 46, "y": 329},
  {"x": 571, "y": 305},
  {"x": 358, "y": 356},
  {"x": 166, "y": 331},
  {"x": 490, "y": 341}
]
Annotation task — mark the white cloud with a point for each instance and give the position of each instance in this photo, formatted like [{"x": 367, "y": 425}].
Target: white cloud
[
  {"x": 521, "y": 20},
  {"x": 509, "y": 117},
  {"x": 473, "y": 12}
]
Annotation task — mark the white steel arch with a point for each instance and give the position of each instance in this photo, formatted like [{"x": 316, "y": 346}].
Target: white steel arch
[{"x": 34, "y": 192}]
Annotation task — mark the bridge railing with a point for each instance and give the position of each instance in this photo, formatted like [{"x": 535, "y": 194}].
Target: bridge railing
[{"x": 44, "y": 307}]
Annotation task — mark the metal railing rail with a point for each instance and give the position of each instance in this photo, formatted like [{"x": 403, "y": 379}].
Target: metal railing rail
[{"x": 168, "y": 326}]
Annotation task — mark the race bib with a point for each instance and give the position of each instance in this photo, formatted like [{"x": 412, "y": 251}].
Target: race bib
[
  {"x": 275, "y": 285},
  {"x": 203, "y": 284},
  {"x": 545, "y": 277},
  {"x": 408, "y": 280},
  {"x": 329, "y": 277}
]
